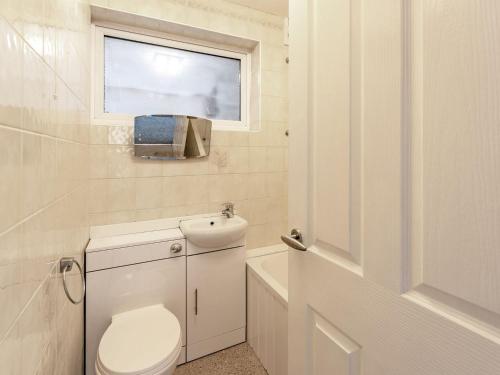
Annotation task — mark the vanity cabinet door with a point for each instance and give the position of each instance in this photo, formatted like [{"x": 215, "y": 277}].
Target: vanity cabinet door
[{"x": 216, "y": 302}]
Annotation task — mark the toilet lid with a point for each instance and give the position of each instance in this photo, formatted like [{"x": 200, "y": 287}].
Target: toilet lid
[{"x": 140, "y": 341}]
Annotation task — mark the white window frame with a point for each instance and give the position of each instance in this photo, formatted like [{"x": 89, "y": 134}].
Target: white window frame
[{"x": 99, "y": 117}]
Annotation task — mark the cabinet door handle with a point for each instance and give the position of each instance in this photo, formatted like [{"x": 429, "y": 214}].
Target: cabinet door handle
[{"x": 196, "y": 301}]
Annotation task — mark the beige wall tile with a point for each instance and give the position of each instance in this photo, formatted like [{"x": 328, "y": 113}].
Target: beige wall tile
[
  {"x": 228, "y": 138},
  {"x": 98, "y": 197},
  {"x": 274, "y": 231},
  {"x": 241, "y": 208},
  {"x": 34, "y": 95},
  {"x": 99, "y": 218},
  {"x": 148, "y": 193},
  {"x": 224, "y": 159},
  {"x": 98, "y": 135},
  {"x": 44, "y": 169},
  {"x": 48, "y": 171},
  {"x": 120, "y": 217},
  {"x": 98, "y": 156},
  {"x": 120, "y": 162},
  {"x": 11, "y": 74},
  {"x": 275, "y": 83},
  {"x": 257, "y": 236},
  {"x": 148, "y": 214},
  {"x": 275, "y": 159},
  {"x": 148, "y": 168},
  {"x": 276, "y": 133},
  {"x": 120, "y": 135},
  {"x": 120, "y": 194},
  {"x": 274, "y": 108},
  {"x": 257, "y": 159},
  {"x": 36, "y": 327},
  {"x": 10, "y": 353},
  {"x": 229, "y": 187},
  {"x": 273, "y": 57},
  {"x": 185, "y": 210},
  {"x": 185, "y": 190},
  {"x": 185, "y": 167},
  {"x": 257, "y": 185},
  {"x": 276, "y": 184},
  {"x": 277, "y": 209},
  {"x": 260, "y": 137},
  {"x": 31, "y": 171},
  {"x": 259, "y": 211},
  {"x": 14, "y": 294},
  {"x": 10, "y": 170}
]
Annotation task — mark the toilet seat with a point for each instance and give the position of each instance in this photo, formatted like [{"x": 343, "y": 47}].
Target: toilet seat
[{"x": 145, "y": 341}]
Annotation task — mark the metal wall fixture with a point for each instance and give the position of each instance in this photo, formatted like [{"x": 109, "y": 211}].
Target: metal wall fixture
[
  {"x": 228, "y": 210},
  {"x": 66, "y": 264}
]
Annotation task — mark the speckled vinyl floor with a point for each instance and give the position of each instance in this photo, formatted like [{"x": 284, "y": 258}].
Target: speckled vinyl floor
[{"x": 237, "y": 360}]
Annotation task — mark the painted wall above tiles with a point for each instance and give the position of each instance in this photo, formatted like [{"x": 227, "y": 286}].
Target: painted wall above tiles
[{"x": 248, "y": 168}]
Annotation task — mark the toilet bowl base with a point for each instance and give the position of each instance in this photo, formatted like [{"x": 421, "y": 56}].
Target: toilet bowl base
[{"x": 167, "y": 369}]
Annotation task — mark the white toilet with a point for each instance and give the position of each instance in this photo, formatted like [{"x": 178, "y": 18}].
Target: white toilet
[
  {"x": 135, "y": 310},
  {"x": 145, "y": 341}
]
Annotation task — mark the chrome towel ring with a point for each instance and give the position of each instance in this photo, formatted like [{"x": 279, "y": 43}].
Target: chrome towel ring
[{"x": 66, "y": 264}]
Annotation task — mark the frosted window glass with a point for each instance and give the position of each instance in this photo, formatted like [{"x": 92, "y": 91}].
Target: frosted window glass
[{"x": 141, "y": 78}]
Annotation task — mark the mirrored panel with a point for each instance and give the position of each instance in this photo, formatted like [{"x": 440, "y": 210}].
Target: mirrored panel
[{"x": 171, "y": 137}]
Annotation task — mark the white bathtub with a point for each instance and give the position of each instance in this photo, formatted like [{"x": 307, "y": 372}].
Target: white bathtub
[{"x": 267, "y": 304}]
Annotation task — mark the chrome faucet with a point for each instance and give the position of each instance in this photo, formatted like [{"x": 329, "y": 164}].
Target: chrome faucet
[{"x": 228, "y": 211}]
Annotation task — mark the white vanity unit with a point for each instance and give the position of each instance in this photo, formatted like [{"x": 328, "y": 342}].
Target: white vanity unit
[
  {"x": 198, "y": 275},
  {"x": 216, "y": 288}
]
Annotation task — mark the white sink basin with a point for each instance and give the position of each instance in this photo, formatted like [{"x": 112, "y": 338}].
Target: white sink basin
[{"x": 214, "y": 232}]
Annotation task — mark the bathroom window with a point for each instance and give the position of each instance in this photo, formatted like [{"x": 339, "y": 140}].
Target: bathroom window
[{"x": 138, "y": 74}]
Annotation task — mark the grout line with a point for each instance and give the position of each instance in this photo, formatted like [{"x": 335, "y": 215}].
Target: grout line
[
  {"x": 44, "y": 61},
  {"x": 54, "y": 202},
  {"x": 215, "y": 146},
  {"x": 42, "y": 357},
  {"x": 42, "y": 135},
  {"x": 25, "y": 307},
  {"x": 48, "y": 276},
  {"x": 187, "y": 175}
]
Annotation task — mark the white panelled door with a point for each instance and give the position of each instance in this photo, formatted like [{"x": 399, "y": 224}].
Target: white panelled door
[{"x": 395, "y": 185}]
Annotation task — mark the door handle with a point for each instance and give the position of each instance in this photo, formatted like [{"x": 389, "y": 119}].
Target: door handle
[
  {"x": 196, "y": 301},
  {"x": 294, "y": 240}
]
